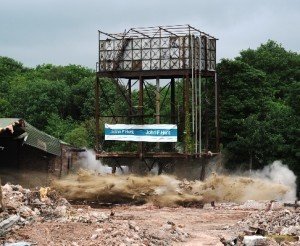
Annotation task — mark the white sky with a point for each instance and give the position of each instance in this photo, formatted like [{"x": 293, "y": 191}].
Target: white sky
[{"x": 65, "y": 31}]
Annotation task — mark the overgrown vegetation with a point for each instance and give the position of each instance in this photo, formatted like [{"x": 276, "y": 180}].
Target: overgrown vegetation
[
  {"x": 260, "y": 100},
  {"x": 260, "y": 103}
]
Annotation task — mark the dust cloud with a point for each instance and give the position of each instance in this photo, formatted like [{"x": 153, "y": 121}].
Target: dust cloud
[
  {"x": 88, "y": 161},
  {"x": 167, "y": 190},
  {"x": 281, "y": 174}
]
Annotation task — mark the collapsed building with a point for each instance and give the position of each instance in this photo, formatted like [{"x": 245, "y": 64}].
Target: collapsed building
[{"x": 31, "y": 157}]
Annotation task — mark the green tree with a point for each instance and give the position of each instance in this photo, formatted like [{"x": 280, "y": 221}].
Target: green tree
[
  {"x": 71, "y": 74},
  {"x": 9, "y": 67},
  {"x": 259, "y": 106},
  {"x": 36, "y": 100},
  {"x": 59, "y": 127},
  {"x": 242, "y": 94},
  {"x": 282, "y": 67},
  {"x": 78, "y": 137},
  {"x": 82, "y": 99},
  {"x": 5, "y": 108}
]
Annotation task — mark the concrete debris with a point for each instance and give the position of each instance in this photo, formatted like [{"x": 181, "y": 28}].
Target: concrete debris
[
  {"x": 251, "y": 205},
  {"x": 18, "y": 244},
  {"x": 94, "y": 236},
  {"x": 45, "y": 211},
  {"x": 133, "y": 226},
  {"x": 24, "y": 206},
  {"x": 34, "y": 208},
  {"x": 281, "y": 222},
  {"x": 229, "y": 242},
  {"x": 254, "y": 240},
  {"x": 6, "y": 224},
  {"x": 267, "y": 227}
]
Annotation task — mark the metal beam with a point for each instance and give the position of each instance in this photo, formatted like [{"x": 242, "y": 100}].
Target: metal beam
[
  {"x": 217, "y": 113},
  {"x": 140, "y": 33},
  {"x": 97, "y": 101},
  {"x": 141, "y": 112},
  {"x": 113, "y": 36},
  {"x": 166, "y": 30},
  {"x": 130, "y": 111},
  {"x": 173, "y": 103},
  {"x": 157, "y": 102},
  {"x": 152, "y": 74},
  {"x": 206, "y": 130}
]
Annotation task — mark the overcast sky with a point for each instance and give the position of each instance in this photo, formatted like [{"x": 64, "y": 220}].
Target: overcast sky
[{"x": 65, "y": 31}]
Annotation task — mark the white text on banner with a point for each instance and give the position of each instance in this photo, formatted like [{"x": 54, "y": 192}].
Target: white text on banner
[{"x": 141, "y": 133}]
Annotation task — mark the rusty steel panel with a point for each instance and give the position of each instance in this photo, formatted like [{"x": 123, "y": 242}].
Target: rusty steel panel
[
  {"x": 152, "y": 54},
  {"x": 157, "y": 48}
]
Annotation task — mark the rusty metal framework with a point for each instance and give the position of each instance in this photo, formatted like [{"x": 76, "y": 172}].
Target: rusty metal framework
[{"x": 169, "y": 59}]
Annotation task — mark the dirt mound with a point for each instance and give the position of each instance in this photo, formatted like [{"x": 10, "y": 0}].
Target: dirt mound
[{"x": 165, "y": 190}]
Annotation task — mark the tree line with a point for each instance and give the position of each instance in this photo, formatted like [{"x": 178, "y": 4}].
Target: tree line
[{"x": 259, "y": 102}]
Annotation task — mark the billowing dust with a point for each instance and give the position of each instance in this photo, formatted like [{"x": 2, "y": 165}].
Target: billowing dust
[{"x": 166, "y": 190}]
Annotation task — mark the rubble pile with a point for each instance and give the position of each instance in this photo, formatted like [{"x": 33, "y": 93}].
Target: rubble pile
[
  {"x": 267, "y": 227},
  {"x": 43, "y": 208},
  {"x": 123, "y": 232},
  {"x": 282, "y": 222},
  {"x": 129, "y": 233},
  {"x": 23, "y": 206}
]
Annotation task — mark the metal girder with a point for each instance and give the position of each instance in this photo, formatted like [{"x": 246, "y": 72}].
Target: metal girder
[
  {"x": 174, "y": 30},
  {"x": 151, "y": 155},
  {"x": 152, "y": 74}
]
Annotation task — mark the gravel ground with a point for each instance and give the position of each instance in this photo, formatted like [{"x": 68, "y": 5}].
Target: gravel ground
[
  {"x": 43, "y": 217},
  {"x": 135, "y": 225}
]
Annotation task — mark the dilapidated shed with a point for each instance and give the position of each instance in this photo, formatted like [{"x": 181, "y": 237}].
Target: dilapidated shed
[{"x": 29, "y": 156}]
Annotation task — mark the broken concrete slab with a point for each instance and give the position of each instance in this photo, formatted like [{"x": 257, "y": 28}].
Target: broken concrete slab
[
  {"x": 7, "y": 223},
  {"x": 254, "y": 240},
  {"x": 18, "y": 244}
]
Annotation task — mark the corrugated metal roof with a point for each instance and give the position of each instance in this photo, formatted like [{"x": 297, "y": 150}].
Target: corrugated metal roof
[{"x": 36, "y": 138}]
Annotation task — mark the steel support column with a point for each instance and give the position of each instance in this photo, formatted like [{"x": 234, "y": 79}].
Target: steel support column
[
  {"x": 206, "y": 105},
  {"x": 173, "y": 104},
  {"x": 187, "y": 127},
  {"x": 157, "y": 102},
  {"x": 97, "y": 110},
  {"x": 141, "y": 113},
  {"x": 157, "y": 105},
  {"x": 217, "y": 113},
  {"x": 130, "y": 102},
  {"x": 200, "y": 114}
]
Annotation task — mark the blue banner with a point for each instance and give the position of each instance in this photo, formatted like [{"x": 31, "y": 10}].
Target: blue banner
[{"x": 141, "y": 133}]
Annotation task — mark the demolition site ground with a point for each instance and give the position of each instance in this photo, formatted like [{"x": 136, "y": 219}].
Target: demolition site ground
[
  {"x": 136, "y": 225},
  {"x": 220, "y": 211}
]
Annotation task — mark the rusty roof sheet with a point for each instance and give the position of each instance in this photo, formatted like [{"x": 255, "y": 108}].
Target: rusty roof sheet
[{"x": 34, "y": 137}]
